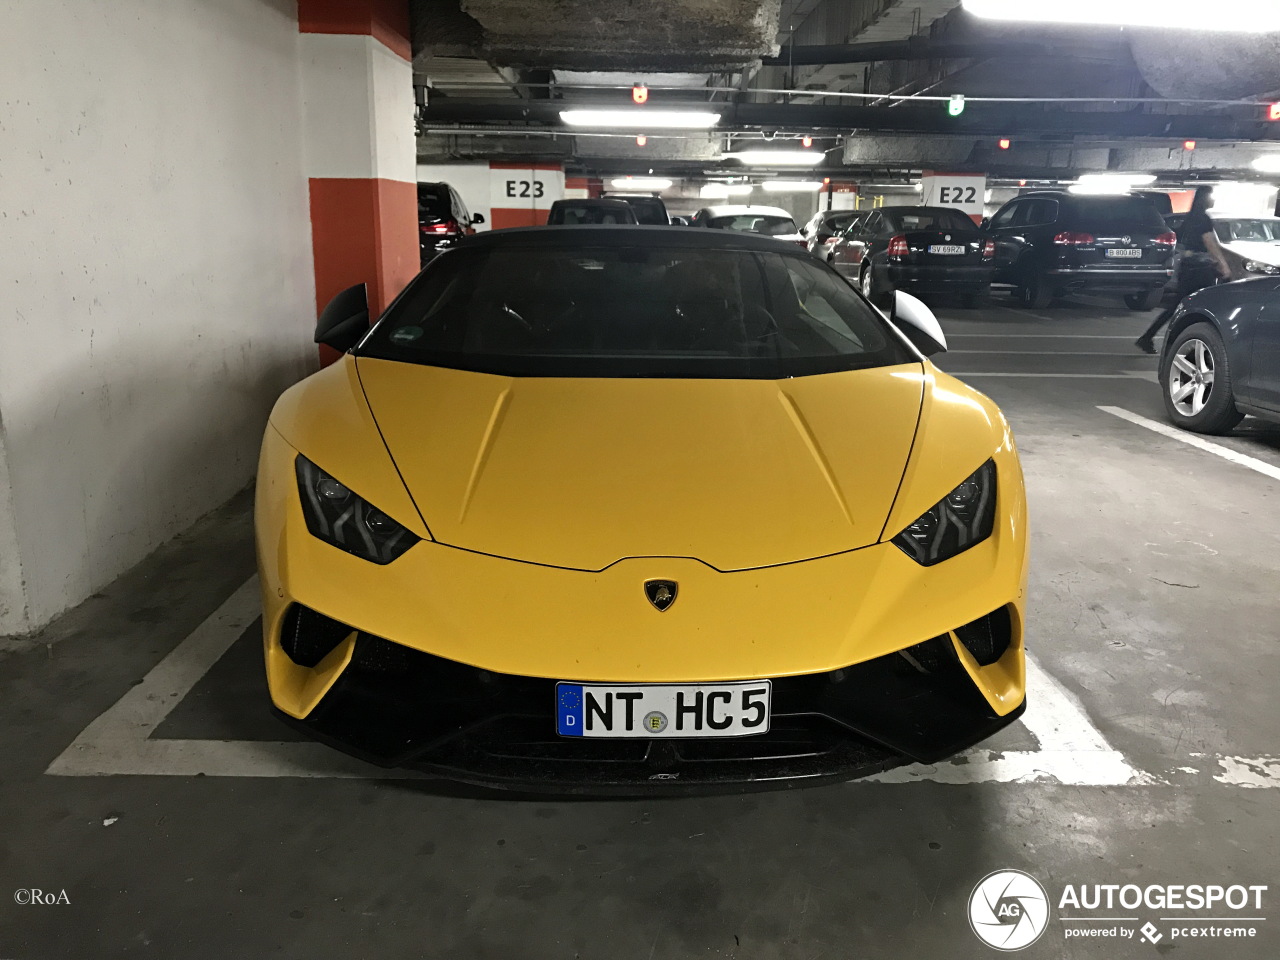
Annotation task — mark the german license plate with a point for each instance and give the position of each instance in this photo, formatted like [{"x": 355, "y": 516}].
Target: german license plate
[
  {"x": 663, "y": 710},
  {"x": 946, "y": 250},
  {"x": 1119, "y": 253}
]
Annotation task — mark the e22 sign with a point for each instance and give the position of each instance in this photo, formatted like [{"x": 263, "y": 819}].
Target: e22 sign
[{"x": 965, "y": 193}]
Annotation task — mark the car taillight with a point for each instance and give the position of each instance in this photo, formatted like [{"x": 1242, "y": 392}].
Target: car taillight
[
  {"x": 449, "y": 226},
  {"x": 831, "y": 241},
  {"x": 1167, "y": 239},
  {"x": 988, "y": 250},
  {"x": 898, "y": 247},
  {"x": 803, "y": 243},
  {"x": 1069, "y": 239}
]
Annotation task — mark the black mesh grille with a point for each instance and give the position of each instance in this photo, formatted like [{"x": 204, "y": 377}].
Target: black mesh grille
[
  {"x": 307, "y": 637},
  {"x": 987, "y": 638}
]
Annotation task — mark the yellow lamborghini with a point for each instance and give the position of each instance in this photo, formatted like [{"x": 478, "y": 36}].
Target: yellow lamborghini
[{"x": 596, "y": 509}]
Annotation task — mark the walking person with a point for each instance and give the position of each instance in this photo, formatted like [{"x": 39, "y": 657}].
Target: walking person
[{"x": 1203, "y": 262}]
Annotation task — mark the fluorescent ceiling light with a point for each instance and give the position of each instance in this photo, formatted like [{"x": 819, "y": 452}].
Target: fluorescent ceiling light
[
  {"x": 641, "y": 119},
  {"x": 1239, "y": 16},
  {"x": 791, "y": 186},
  {"x": 1268, "y": 163},
  {"x": 1128, "y": 179},
  {"x": 714, "y": 191},
  {"x": 739, "y": 189},
  {"x": 640, "y": 183},
  {"x": 1244, "y": 199},
  {"x": 778, "y": 158}
]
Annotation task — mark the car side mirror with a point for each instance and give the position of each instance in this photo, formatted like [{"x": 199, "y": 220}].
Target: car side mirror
[
  {"x": 986, "y": 222},
  {"x": 477, "y": 218},
  {"x": 345, "y": 320},
  {"x": 918, "y": 324}
]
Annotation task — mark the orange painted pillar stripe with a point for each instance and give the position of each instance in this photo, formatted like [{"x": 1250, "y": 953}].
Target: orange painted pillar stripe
[{"x": 357, "y": 85}]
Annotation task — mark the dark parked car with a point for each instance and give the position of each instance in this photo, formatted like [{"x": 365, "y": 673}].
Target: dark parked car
[
  {"x": 1221, "y": 357},
  {"x": 917, "y": 249},
  {"x": 649, "y": 211},
  {"x": 1051, "y": 243},
  {"x": 824, "y": 229},
  {"x": 443, "y": 219},
  {"x": 596, "y": 212}
]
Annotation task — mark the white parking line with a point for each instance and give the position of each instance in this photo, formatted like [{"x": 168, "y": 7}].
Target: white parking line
[
  {"x": 119, "y": 742},
  {"x": 1131, "y": 354},
  {"x": 1072, "y": 750},
  {"x": 1194, "y": 440},
  {"x": 1038, "y": 336}
]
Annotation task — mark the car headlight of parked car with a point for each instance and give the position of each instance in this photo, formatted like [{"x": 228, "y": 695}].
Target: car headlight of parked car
[
  {"x": 962, "y": 519},
  {"x": 338, "y": 517},
  {"x": 1253, "y": 266}
]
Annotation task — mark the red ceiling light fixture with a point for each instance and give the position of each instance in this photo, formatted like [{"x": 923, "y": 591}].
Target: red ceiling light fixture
[
  {"x": 1005, "y": 144},
  {"x": 641, "y": 140},
  {"x": 806, "y": 140},
  {"x": 640, "y": 93},
  {"x": 1188, "y": 145},
  {"x": 1273, "y": 111}
]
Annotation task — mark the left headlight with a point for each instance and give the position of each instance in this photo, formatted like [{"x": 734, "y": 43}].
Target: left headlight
[
  {"x": 962, "y": 519},
  {"x": 1253, "y": 266},
  {"x": 339, "y": 517}
]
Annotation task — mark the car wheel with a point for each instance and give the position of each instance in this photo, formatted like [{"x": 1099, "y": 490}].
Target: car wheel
[
  {"x": 1142, "y": 300},
  {"x": 1196, "y": 379},
  {"x": 867, "y": 282},
  {"x": 1036, "y": 292},
  {"x": 976, "y": 299}
]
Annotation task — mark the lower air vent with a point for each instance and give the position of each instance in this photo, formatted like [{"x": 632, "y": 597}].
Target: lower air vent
[
  {"x": 988, "y": 637},
  {"x": 308, "y": 637}
]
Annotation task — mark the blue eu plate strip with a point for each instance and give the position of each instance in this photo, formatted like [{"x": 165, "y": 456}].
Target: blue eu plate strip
[{"x": 569, "y": 709}]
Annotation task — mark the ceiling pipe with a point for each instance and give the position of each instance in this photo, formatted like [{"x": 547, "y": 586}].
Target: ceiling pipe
[{"x": 912, "y": 49}]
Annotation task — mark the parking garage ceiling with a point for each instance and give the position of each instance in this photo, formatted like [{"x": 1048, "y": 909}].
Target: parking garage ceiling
[{"x": 866, "y": 77}]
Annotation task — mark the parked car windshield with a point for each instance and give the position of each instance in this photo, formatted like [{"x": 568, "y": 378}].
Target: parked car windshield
[
  {"x": 931, "y": 219},
  {"x": 532, "y": 308},
  {"x": 770, "y": 226},
  {"x": 650, "y": 211},
  {"x": 1112, "y": 216},
  {"x": 1256, "y": 230},
  {"x": 433, "y": 200}
]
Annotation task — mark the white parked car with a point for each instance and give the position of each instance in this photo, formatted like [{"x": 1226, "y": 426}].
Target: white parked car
[
  {"x": 1252, "y": 244},
  {"x": 751, "y": 218}
]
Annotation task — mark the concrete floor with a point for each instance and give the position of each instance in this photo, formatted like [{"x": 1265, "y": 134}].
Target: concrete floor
[{"x": 1154, "y": 620}]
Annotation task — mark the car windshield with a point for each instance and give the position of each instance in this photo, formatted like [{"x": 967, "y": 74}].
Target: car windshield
[
  {"x": 535, "y": 308},
  {"x": 1248, "y": 231},
  {"x": 770, "y": 226},
  {"x": 1113, "y": 216},
  {"x": 926, "y": 219}
]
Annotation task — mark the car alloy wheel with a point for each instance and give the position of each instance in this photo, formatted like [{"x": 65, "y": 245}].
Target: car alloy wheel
[
  {"x": 868, "y": 284},
  {"x": 1191, "y": 377}
]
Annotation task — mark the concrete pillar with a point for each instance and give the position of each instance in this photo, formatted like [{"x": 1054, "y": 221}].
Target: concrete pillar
[{"x": 360, "y": 146}]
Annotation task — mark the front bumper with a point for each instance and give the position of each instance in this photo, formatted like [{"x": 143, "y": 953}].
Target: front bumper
[
  {"x": 403, "y": 708},
  {"x": 476, "y": 643}
]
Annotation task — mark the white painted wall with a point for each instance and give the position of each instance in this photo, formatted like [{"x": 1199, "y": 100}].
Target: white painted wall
[{"x": 157, "y": 285}]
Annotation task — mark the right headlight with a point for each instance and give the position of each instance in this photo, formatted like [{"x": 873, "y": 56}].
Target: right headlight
[
  {"x": 1253, "y": 266},
  {"x": 962, "y": 519},
  {"x": 337, "y": 516}
]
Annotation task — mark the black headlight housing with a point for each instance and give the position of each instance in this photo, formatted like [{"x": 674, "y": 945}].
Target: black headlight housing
[
  {"x": 337, "y": 516},
  {"x": 960, "y": 520}
]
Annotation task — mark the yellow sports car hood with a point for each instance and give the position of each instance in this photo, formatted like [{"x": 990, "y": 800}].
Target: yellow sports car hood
[{"x": 581, "y": 473}]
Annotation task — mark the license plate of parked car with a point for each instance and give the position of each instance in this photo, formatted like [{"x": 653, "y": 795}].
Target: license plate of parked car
[
  {"x": 946, "y": 250},
  {"x": 667, "y": 710},
  {"x": 1125, "y": 254}
]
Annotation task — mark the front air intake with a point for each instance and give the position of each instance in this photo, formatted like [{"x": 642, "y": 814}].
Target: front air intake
[
  {"x": 308, "y": 637},
  {"x": 987, "y": 638}
]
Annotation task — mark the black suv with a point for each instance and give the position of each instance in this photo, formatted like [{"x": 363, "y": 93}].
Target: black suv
[
  {"x": 1051, "y": 243},
  {"x": 649, "y": 211},
  {"x": 443, "y": 219}
]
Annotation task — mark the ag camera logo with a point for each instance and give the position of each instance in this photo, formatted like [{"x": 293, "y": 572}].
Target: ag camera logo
[{"x": 1008, "y": 910}]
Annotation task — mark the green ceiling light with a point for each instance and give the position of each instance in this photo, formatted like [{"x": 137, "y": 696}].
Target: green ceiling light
[{"x": 955, "y": 106}]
